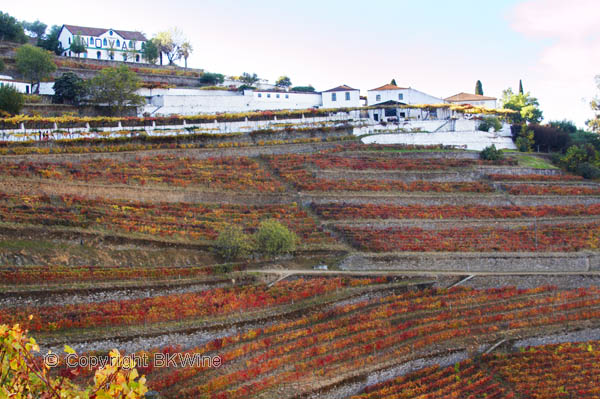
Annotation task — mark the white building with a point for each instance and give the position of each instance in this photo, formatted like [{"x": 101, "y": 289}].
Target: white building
[
  {"x": 402, "y": 95},
  {"x": 196, "y": 101},
  {"x": 104, "y": 44},
  {"x": 341, "y": 97},
  {"x": 389, "y": 95},
  {"x": 22, "y": 87},
  {"x": 473, "y": 99}
]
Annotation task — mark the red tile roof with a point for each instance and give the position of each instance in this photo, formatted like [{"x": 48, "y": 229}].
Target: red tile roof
[
  {"x": 340, "y": 88},
  {"x": 468, "y": 97},
  {"x": 388, "y": 86},
  {"x": 87, "y": 31}
]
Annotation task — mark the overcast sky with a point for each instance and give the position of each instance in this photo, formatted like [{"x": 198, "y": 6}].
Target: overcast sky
[{"x": 437, "y": 46}]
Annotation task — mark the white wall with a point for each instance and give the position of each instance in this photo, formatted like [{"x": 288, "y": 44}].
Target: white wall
[
  {"x": 194, "y": 101},
  {"x": 341, "y": 101},
  {"x": 471, "y": 140},
  {"x": 22, "y": 87},
  {"x": 406, "y": 96}
]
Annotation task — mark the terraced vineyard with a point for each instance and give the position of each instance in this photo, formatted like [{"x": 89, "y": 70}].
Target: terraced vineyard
[
  {"x": 395, "y": 246},
  {"x": 552, "y": 371}
]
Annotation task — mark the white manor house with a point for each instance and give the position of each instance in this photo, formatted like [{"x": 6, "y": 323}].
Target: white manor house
[{"x": 104, "y": 44}]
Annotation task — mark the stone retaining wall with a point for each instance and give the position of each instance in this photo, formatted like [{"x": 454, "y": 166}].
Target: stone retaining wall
[{"x": 476, "y": 262}]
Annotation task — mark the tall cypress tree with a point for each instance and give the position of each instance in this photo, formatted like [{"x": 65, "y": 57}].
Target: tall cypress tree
[
  {"x": 393, "y": 82},
  {"x": 479, "y": 88},
  {"x": 521, "y": 86}
]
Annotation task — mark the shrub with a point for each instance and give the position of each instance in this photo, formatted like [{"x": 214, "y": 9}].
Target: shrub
[
  {"x": 524, "y": 141},
  {"x": 232, "y": 243},
  {"x": 273, "y": 238},
  {"x": 490, "y": 122},
  {"x": 550, "y": 137},
  {"x": 490, "y": 153},
  {"x": 588, "y": 171},
  {"x": 11, "y": 100}
]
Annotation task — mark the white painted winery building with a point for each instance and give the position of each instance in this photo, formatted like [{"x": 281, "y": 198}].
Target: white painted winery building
[
  {"x": 401, "y": 95},
  {"x": 104, "y": 44},
  {"x": 472, "y": 99},
  {"x": 342, "y": 96},
  {"x": 195, "y": 101},
  {"x": 20, "y": 86}
]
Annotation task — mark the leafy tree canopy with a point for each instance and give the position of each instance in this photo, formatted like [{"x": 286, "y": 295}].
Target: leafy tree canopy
[
  {"x": 527, "y": 106},
  {"x": 35, "y": 64},
  {"x": 115, "y": 88},
  {"x": 69, "y": 88},
  {"x": 36, "y": 28},
  {"x": 11, "y": 100},
  {"x": 211, "y": 79},
  {"x": 594, "y": 123},
  {"x": 283, "y": 81},
  {"x": 11, "y": 29},
  {"x": 248, "y": 78}
]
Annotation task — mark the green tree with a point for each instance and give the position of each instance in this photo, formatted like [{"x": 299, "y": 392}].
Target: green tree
[
  {"x": 273, "y": 238},
  {"x": 304, "y": 89},
  {"x": 249, "y": 79},
  {"x": 211, "y": 79},
  {"x": 527, "y": 106},
  {"x": 490, "y": 153},
  {"x": 521, "y": 87},
  {"x": 185, "y": 50},
  {"x": 479, "y": 88},
  {"x": 284, "y": 82},
  {"x": 393, "y": 82},
  {"x": 594, "y": 123},
  {"x": 524, "y": 141},
  {"x": 37, "y": 28},
  {"x": 11, "y": 29},
  {"x": 150, "y": 51},
  {"x": 490, "y": 122},
  {"x": 115, "y": 88},
  {"x": 232, "y": 243},
  {"x": 169, "y": 43},
  {"x": 35, "y": 64},
  {"x": 11, "y": 100},
  {"x": 2, "y": 66},
  {"x": 69, "y": 88},
  {"x": 50, "y": 41},
  {"x": 78, "y": 45}
]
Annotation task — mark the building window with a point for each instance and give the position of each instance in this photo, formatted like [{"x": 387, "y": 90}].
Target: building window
[
  {"x": 400, "y": 96},
  {"x": 124, "y": 57},
  {"x": 277, "y": 95},
  {"x": 287, "y": 96},
  {"x": 118, "y": 43},
  {"x": 378, "y": 97},
  {"x": 333, "y": 97},
  {"x": 347, "y": 96},
  {"x": 137, "y": 58},
  {"x": 110, "y": 32},
  {"x": 27, "y": 89},
  {"x": 111, "y": 56},
  {"x": 98, "y": 54},
  {"x": 104, "y": 42},
  {"x": 143, "y": 45},
  {"x": 69, "y": 40},
  {"x": 130, "y": 43},
  {"x": 259, "y": 95},
  {"x": 269, "y": 95}
]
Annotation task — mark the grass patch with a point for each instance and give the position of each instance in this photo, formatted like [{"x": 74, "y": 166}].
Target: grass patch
[{"x": 531, "y": 161}]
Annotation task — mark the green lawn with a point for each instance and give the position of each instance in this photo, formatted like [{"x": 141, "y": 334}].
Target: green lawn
[{"x": 531, "y": 161}]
